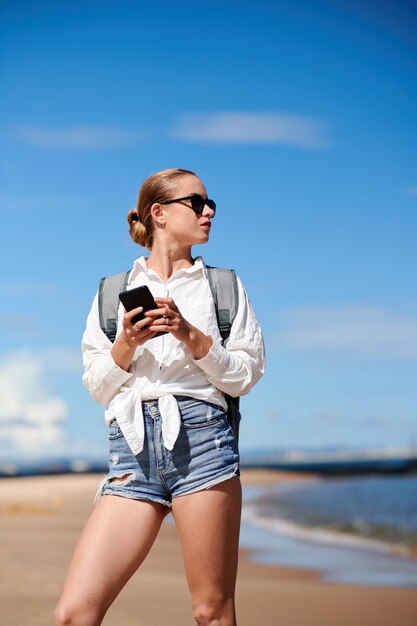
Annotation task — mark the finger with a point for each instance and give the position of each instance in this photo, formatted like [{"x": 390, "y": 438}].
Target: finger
[
  {"x": 163, "y": 328},
  {"x": 141, "y": 324},
  {"x": 167, "y": 302},
  {"x": 161, "y": 321},
  {"x": 155, "y": 313},
  {"x": 143, "y": 336},
  {"x": 164, "y": 300},
  {"x": 133, "y": 312},
  {"x": 147, "y": 334}
]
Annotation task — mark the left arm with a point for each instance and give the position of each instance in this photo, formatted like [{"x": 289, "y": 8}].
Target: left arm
[{"x": 234, "y": 369}]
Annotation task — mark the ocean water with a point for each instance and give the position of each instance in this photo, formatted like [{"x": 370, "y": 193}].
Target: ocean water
[{"x": 359, "y": 530}]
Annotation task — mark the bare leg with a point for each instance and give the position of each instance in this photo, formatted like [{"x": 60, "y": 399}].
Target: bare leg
[
  {"x": 115, "y": 541},
  {"x": 208, "y": 524}
]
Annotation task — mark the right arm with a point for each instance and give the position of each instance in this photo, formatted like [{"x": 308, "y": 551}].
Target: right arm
[
  {"x": 107, "y": 366},
  {"x": 130, "y": 338}
]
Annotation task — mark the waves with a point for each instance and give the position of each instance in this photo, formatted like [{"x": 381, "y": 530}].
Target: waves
[
  {"x": 360, "y": 530},
  {"x": 326, "y": 536}
]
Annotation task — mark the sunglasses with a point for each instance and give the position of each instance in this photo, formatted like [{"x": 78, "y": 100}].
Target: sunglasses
[{"x": 197, "y": 203}]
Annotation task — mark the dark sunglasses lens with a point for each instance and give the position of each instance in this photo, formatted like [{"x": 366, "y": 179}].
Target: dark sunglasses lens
[{"x": 197, "y": 202}]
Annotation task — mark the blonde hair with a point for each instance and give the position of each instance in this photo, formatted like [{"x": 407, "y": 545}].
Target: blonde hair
[{"x": 156, "y": 188}]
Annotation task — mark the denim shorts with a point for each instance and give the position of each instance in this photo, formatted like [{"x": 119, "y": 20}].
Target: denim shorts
[{"x": 204, "y": 454}]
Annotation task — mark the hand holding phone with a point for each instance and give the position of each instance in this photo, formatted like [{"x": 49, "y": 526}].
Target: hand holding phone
[{"x": 139, "y": 296}]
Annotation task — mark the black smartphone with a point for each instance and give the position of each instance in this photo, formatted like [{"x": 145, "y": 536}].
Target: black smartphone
[{"x": 139, "y": 296}]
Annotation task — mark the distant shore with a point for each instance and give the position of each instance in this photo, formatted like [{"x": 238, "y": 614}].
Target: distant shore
[
  {"x": 327, "y": 463},
  {"x": 324, "y": 462},
  {"x": 41, "y": 517}
]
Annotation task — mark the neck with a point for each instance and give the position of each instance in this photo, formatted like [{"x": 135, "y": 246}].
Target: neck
[{"x": 165, "y": 259}]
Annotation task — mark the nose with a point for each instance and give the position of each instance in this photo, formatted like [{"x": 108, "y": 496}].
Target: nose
[{"x": 207, "y": 211}]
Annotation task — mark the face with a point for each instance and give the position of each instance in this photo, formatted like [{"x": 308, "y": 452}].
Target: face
[{"x": 181, "y": 222}]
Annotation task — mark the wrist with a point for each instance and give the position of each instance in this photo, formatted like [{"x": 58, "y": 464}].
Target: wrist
[
  {"x": 123, "y": 351},
  {"x": 123, "y": 340},
  {"x": 198, "y": 343}
]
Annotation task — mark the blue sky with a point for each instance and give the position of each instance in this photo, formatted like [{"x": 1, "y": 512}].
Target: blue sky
[{"x": 300, "y": 119}]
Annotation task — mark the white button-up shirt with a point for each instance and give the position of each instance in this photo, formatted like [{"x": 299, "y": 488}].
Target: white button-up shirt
[{"x": 164, "y": 367}]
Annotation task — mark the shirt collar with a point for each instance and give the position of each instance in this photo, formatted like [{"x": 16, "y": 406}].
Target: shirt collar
[{"x": 140, "y": 266}]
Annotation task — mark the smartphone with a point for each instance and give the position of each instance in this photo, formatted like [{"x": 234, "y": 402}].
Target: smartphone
[{"x": 139, "y": 296}]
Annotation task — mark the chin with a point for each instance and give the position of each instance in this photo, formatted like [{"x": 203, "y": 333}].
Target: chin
[{"x": 200, "y": 240}]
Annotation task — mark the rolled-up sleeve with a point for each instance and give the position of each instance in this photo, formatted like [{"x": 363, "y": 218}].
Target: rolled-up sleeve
[
  {"x": 102, "y": 377},
  {"x": 236, "y": 368}
]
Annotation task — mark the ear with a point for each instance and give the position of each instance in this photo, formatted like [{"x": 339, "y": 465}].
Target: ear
[{"x": 158, "y": 213}]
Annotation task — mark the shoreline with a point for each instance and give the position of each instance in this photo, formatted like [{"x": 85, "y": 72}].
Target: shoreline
[
  {"x": 326, "y": 535},
  {"x": 42, "y": 518},
  {"x": 337, "y": 556}
]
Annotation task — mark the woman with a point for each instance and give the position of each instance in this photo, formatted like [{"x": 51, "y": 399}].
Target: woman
[{"x": 171, "y": 447}]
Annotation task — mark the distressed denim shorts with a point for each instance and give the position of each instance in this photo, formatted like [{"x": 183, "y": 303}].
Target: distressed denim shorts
[{"x": 204, "y": 454}]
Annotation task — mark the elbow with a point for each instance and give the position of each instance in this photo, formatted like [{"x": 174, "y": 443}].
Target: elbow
[
  {"x": 98, "y": 392},
  {"x": 247, "y": 387},
  {"x": 253, "y": 376},
  {"x": 241, "y": 385},
  {"x": 100, "y": 398}
]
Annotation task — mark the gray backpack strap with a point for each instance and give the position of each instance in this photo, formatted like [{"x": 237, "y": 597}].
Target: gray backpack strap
[
  {"x": 223, "y": 285},
  {"x": 108, "y": 302}
]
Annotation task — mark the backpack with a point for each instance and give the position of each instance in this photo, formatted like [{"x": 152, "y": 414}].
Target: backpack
[{"x": 223, "y": 286}]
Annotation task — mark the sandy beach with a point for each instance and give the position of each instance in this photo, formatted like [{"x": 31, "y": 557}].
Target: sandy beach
[{"x": 42, "y": 517}]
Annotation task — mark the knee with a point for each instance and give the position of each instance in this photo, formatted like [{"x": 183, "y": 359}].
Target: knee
[
  {"x": 63, "y": 615},
  {"x": 67, "y": 614},
  {"x": 206, "y": 615},
  {"x": 214, "y": 614}
]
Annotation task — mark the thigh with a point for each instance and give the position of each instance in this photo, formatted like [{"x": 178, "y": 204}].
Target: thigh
[
  {"x": 113, "y": 544},
  {"x": 208, "y": 524}
]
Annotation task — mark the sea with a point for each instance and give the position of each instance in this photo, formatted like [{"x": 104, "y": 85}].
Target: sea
[{"x": 359, "y": 529}]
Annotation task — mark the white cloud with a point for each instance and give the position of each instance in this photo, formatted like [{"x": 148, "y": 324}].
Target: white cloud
[
  {"x": 361, "y": 332},
  {"x": 252, "y": 128},
  {"x": 31, "y": 418},
  {"x": 84, "y": 137},
  {"x": 411, "y": 190},
  {"x": 64, "y": 360}
]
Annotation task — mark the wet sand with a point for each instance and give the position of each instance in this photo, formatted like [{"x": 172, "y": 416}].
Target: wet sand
[{"x": 42, "y": 517}]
